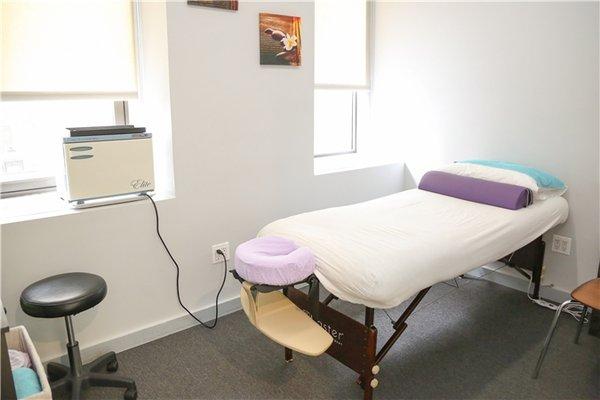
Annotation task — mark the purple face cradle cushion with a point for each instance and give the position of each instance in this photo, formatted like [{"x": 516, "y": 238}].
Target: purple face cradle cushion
[
  {"x": 273, "y": 260},
  {"x": 481, "y": 191}
]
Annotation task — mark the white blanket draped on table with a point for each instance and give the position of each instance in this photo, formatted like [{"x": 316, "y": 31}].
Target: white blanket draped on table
[{"x": 381, "y": 252}]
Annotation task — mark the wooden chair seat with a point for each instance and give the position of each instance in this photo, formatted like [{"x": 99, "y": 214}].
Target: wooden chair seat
[{"x": 588, "y": 294}]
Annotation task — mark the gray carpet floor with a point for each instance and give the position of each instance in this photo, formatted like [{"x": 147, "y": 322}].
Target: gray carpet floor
[{"x": 478, "y": 341}]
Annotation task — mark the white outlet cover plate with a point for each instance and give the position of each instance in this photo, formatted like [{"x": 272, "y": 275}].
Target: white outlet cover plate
[
  {"x": 561, "y": 244},
  {"x": 217, "y": 258}
]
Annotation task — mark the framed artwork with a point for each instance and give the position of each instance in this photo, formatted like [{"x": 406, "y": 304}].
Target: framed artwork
[
  {"x": 280, "y": 41},
  {"x": 227, "y": 5}
]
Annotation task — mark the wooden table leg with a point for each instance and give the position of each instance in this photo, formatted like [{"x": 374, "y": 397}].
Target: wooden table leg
[
  {"x": 368, "y": 394},
  {"x": 367, "y": 379},
  {"x": 289, "y": 355}
]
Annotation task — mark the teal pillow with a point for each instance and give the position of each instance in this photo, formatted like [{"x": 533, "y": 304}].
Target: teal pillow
[{"x": 543, "y": 179}]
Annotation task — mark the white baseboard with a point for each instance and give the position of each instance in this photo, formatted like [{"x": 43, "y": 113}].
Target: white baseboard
[
  {"x": 512, "y": 279},
  {"x": 150, "y": 333}
]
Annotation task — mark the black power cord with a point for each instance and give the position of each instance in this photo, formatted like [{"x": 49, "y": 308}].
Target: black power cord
[{"x": 214, "y": 324}]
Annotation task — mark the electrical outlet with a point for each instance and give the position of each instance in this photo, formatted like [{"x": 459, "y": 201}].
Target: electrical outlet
[
  {"x": 216, "y": 257},
  {"x": 561, "y": 244}
]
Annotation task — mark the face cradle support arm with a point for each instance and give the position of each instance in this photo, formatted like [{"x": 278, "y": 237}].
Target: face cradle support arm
[{"x": 313, "y": 290}]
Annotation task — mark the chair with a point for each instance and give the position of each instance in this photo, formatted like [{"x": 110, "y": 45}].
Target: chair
[
  {"x": 587, "y": 295},
  {"x": 64, "y": 296}
]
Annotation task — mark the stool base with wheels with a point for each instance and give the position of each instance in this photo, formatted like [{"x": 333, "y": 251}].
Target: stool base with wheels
[
  {"x": 64, "y": 296},
  {"x": 79, "y": 377}
]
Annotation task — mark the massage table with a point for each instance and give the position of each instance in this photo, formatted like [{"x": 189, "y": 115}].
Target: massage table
[{"x": 382, "y": 252}]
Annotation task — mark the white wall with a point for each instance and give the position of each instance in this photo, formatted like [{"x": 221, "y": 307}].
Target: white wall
[
  {"x": 512, "y": 81},
  {"x": 242, "y": 148}
]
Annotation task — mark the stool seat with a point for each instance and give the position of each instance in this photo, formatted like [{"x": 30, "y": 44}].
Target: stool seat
[{"x": 63, "y": 295}]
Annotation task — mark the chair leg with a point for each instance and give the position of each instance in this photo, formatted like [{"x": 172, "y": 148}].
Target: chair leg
[
  {"x": 536, "y": 372},
  {"x": 580, "y": 324}
]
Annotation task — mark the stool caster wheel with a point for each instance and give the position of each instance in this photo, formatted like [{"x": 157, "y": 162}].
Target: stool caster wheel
[
  {"x": 131, "y": 394},
  {"x": 112, "y": 366}
]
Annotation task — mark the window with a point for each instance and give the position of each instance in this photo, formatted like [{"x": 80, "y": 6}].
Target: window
[
  {"x": 51, "y": 79},
  {"x": 341, "y": 75},
  {"x": 31, "y": 135}
]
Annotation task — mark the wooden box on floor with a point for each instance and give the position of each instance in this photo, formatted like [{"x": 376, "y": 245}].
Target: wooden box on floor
[{"x": 17, "y": 338}]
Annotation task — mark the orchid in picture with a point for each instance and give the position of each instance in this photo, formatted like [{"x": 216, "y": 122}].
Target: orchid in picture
[{"x": 289, "y": 42}]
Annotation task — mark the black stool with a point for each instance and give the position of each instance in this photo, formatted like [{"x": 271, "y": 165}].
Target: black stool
[{"x": 64, "y": 296}]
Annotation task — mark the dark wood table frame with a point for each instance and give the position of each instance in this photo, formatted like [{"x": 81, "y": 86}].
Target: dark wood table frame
[
  {"x": 529, "y": 257},
  {"x": 355, "y": 343}
]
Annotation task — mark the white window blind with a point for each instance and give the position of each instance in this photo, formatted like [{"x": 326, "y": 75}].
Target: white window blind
[
  {"x": 58, "y": 48},
  {"x": 341, "y": 43}
]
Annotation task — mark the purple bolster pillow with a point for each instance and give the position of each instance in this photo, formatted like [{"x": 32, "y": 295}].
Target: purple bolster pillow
[{"x": 481, "y": 191}]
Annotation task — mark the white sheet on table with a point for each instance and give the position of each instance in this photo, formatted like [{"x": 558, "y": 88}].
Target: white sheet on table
[{"x": 381, "y": 252}]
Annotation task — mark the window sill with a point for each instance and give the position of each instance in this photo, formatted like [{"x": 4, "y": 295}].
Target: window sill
[
  {"x": 47, "y": 205},
  {"x": 348, "y": 162}
]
